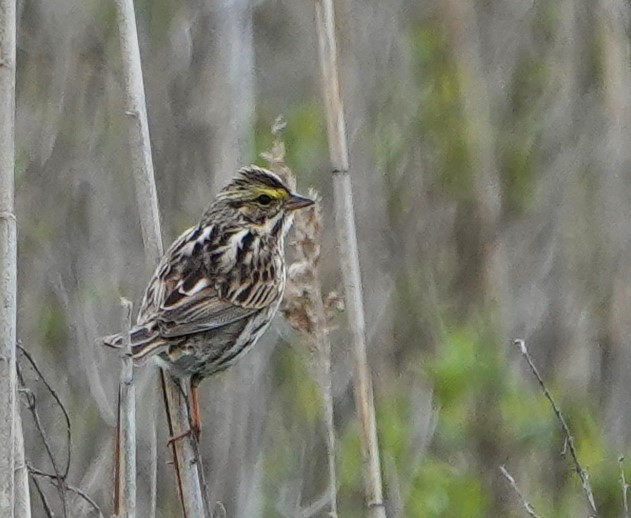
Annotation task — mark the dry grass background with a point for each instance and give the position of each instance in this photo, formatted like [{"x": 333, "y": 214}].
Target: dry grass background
[{"x": 490, "y": 161}]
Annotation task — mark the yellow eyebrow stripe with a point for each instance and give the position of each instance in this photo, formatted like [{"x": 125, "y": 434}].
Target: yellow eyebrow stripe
[{"x": 272, "y": 192}]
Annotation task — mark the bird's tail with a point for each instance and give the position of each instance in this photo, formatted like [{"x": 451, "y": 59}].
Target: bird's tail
[{"x": 146, "y": 342}]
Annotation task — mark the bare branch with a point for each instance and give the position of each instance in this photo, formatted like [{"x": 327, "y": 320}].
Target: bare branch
[
  {"x": 61, "y": 486},
  {"x": 31, "y": 405},
  {"x": 55, "y": 396},
  {"x": 583, "y": 475},
  {"x": 53, "y": 480},
  {"x": 529, "y": 509},
  {"x": 47, "y": 509},
  {"x": 60, "y": 474}
]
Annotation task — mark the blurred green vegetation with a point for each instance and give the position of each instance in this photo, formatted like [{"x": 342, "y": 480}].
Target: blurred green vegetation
[
  {"x": 486, "y": 400},
  {"x": 304, "y": 137}
]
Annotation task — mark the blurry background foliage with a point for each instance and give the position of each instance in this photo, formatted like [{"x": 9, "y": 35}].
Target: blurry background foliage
[{"x": 490, "y": 158}]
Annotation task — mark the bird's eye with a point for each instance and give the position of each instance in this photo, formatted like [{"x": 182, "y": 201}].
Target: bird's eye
[{"x": 264, "y": 199}]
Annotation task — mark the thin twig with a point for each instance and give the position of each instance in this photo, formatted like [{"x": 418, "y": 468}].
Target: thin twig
[
  {"x": 31, "y": 405},
  {"x": 53, "y": 480},
  {"x": 55, "y": 396},
  {"x": 583, "y": 475},
  {"x": 61, "y": 485},
  {"x": 529, "y": 509},
  {"x": 60, "y": 475},
  {"x": 329, "y": 423},
  {"x": 47, "y": 509},
  {"x": 624, "y": 486}
]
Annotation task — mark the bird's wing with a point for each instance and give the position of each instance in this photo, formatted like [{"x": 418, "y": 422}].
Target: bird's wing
[
  {"x": 185, "y": 296},
  {"x": 194, "y": 305}
]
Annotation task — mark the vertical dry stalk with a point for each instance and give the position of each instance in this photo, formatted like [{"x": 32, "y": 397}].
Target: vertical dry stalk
[
  {"x": 303, "y": 306},
  {"x": 22, "y": 503},
  {"x": 345, "y": 223},
  {"x": 184, "y": 451},
  {"x": 305, "y": 310},
  {"x": 14, "y": 497},
  {"x": 125, "y": 483},
  {"x": 138, "y": 129}
]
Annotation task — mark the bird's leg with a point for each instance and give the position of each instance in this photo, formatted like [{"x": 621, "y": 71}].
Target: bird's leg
[
  {"x": 193, "y": 412},
  {"x": 179, "y": 436}
]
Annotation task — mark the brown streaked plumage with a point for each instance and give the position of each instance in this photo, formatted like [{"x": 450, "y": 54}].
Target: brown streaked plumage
[{"x": 220, "y": 283}]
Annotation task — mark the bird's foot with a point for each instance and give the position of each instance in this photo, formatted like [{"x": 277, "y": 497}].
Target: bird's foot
[{"x": 193, "y": 431}]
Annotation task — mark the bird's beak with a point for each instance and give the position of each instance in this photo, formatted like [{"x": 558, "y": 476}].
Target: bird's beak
[{"x": 296, "y": 201}]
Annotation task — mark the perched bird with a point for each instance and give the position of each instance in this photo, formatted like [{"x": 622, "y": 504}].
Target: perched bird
[{"x": 219, "y": 284}]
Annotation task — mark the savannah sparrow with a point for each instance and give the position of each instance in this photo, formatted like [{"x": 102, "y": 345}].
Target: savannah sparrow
[{"x": 220, "y": 283}]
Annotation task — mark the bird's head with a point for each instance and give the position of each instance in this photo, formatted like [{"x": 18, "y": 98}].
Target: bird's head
[{"x": 261, "y": 198}]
